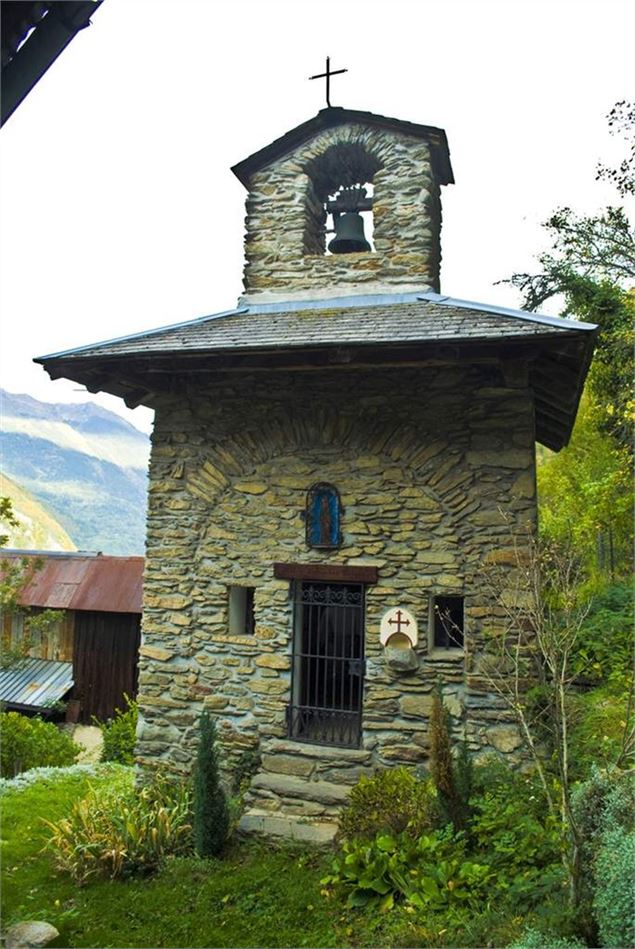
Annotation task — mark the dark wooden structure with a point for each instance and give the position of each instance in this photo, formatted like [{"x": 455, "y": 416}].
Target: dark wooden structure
[
  {"x": 99, "y": 630},
  {"x": 33, "y": 36}
]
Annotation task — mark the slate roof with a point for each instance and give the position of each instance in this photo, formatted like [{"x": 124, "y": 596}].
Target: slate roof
[
  {"x": 360, "y": 330},
  {"x": 423, "y": 318}
]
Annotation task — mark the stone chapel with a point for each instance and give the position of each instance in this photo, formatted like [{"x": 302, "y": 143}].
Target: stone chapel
[{"x": 334, "y": 461}]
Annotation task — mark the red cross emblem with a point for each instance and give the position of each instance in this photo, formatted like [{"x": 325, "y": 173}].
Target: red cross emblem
[{"x": 399, "y": 621}]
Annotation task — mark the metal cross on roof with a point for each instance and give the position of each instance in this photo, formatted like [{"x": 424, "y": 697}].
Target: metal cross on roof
[{"x": 328, "y": 75}]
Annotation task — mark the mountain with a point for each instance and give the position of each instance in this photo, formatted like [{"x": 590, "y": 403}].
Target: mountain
[
  {"x": 36, "y": 529},
  {"x": 84, "y": 464}
]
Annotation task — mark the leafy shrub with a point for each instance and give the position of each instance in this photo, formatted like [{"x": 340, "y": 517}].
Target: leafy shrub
[
  {"x": 430, "y": 872},
  {"x": 392, "y": 800},
  {"x": 602, "y": 803},
  {"x": 211, "y": 815},
  {"x": 619, "y": 807},
  {"x": 119, "y": 734},
  {"x": 532, "y": 939},
  {"x": 516, "y": 835},
  {"x": 32, "y": 743},
  {"x": 119, "y": 830},
  {"x": 614, "y": 897},
  {"x": 604, "y": 812}
]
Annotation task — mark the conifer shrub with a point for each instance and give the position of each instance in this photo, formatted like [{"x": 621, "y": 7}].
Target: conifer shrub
[
  {"x": 32, "y": 743},
  {"x": 390, "y": 801},
  {"x": 452, "y": 776},
  {"x": 211, "y": 813}
]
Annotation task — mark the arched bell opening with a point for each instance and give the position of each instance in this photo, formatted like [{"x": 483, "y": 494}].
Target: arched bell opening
[{"x": 339, "y": 216}]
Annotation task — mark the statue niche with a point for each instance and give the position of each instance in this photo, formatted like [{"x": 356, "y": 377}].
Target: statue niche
[{"x": 323, "y": 516}]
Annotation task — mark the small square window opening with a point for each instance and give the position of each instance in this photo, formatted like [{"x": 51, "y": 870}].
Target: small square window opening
[
  {"x": 447, "y": 622},
  {"x": 241, "y": 611}
]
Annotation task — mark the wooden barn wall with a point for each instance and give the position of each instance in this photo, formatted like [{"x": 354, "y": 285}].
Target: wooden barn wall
[
  {"x": 56, "y": 642},
  {"x": 105, "y": 661}
]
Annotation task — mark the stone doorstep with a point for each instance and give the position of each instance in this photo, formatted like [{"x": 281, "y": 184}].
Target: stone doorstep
[
  {"x": 323, "y": 792},
  {"x": 310, "y": 831}
]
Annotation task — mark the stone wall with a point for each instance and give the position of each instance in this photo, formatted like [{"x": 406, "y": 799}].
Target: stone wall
[
  {"x": 283, "y": 252},
  {"x": 423, "y": 475}
]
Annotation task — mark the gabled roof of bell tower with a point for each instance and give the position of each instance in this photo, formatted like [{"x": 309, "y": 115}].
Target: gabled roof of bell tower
[{"x": 334, "y": 116}]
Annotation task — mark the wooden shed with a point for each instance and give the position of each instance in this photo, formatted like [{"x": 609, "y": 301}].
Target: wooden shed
[{"x": 99, "y": 628}]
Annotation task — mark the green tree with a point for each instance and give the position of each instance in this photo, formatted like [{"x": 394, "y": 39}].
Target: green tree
[
  {"x": 585, "y": 491},
  {"x": 598, "y": 247},
  {"x": 6, "y": 517},
  {"x": 586, "y": 494},
  {"x": 14, "y": 574},
  {"x": 622, "y": 122}
]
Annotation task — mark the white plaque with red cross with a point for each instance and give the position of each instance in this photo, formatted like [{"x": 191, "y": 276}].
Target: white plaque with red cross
[{"x": 398, "y": 623}]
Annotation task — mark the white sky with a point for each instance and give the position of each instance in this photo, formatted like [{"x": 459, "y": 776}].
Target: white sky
[{"x": 120, "y": 213}]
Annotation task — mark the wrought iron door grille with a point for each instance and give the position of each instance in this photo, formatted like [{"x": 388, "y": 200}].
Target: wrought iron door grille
[{"x": 328, "y": 664}]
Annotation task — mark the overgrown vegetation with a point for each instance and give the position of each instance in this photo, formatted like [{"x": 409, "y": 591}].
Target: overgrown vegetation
[{"x": 32, "y": 743}]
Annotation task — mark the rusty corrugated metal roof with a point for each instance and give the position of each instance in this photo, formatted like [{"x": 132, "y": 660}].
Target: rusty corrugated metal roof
[
  {"x": 80, "y": 581},
  {"x": 36, "y": 683}
]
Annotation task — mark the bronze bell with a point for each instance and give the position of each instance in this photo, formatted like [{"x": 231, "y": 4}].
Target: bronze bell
[{"x": 349, "y": 234}]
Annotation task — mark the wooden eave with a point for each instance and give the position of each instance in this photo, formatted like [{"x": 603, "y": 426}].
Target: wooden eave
[
  {"x": 327, "y": 572},
  {"x": 556, "y": 365}
]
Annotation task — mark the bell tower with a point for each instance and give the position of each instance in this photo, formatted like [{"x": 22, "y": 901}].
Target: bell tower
[{"x": 347, "y": 203}]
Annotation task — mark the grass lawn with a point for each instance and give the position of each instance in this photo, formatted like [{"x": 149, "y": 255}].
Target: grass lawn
[{"x": 259, "y": 895}]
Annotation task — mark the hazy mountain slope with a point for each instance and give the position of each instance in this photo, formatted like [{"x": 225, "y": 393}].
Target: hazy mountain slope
[
  {"x": 87, "y": 465},
  {"x": 37, "y": 528}
]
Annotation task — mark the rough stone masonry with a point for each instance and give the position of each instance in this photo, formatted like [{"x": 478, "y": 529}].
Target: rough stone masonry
[
  {"x": 425, "y": 461},
  {"x": 346, "y": 374},
  {"x": 284, "y": 240}
]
